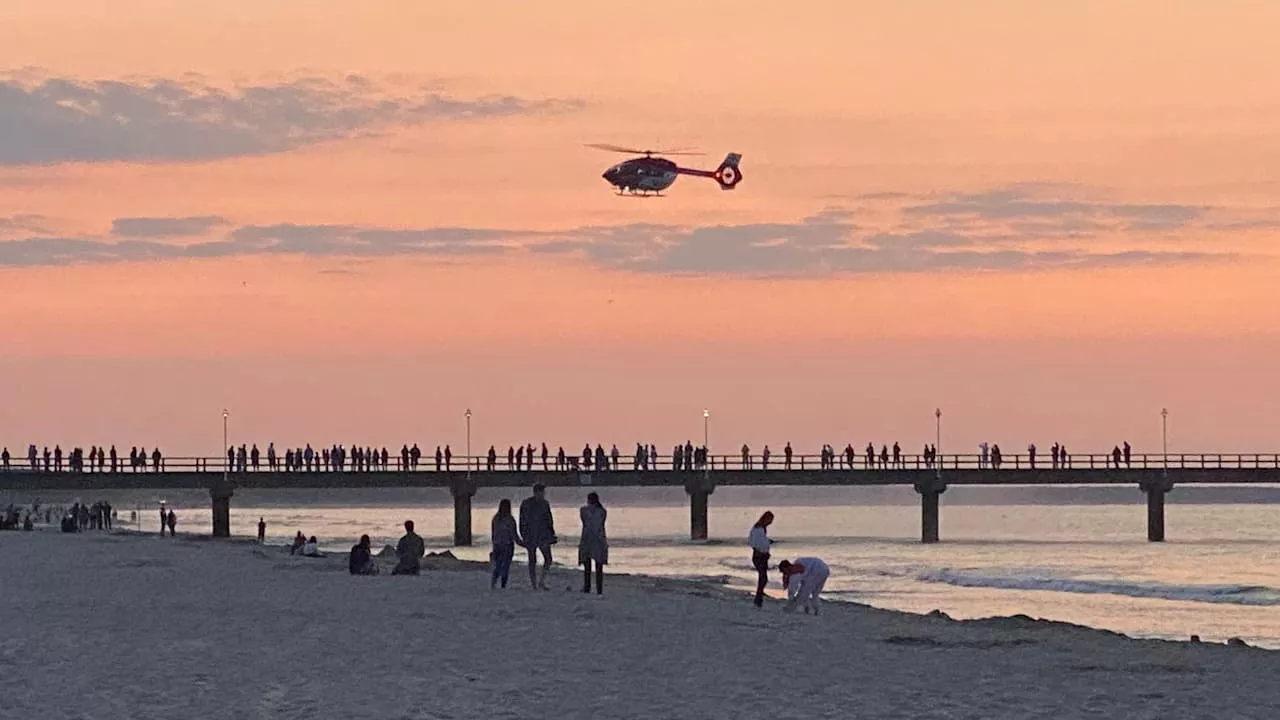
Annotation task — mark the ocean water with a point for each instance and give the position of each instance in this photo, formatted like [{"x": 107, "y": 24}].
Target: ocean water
[{"x": 1083, "y": 560}]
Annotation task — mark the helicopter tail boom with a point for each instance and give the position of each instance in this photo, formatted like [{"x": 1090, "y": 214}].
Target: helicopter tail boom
[{"x": 728, "y": 174}]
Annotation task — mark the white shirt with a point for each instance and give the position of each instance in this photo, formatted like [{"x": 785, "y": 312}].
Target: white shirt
[
  {"x": 814, "y": 568},
  {"x": 310, "y": 549},
  {"x": 759, "y": 540}
]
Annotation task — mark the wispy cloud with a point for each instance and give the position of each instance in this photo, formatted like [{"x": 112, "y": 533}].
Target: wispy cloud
[
  {"x": 1045, "y": 209},
  {"x": 46, "y": 120},
  {"x": 823, "y": 244},
  {"x": 165, "y": 227}
]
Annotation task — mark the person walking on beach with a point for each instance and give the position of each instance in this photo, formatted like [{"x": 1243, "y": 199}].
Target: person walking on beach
[
  {"x": 761, "y": 543},
  {"x": 505, "y": 538},
  {"x": 173, "y": 524},
  {"x": 409, "y": 550},
  {"x": 262, "y": 530},
  {"x": 804, "y": 579},
  {"x": 537, "y": 527},
  {"x": 594, "y": 544}
]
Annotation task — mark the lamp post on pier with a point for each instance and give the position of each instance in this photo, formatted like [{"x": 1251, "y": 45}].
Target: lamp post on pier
[
  {"x": 1164, "y": 438},
  {"x": 468, "y": 443},
  {"x": 937, "y": 458},
  {"x": 706, "y": 441},
  {"x": 226, "y": 463}
]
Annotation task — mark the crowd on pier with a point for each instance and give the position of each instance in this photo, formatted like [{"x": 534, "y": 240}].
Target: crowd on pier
[{"x": 366, "y": 458}]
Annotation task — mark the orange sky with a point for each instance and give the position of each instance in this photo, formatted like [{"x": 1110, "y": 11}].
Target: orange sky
[{"x": 1044, "y": 199}]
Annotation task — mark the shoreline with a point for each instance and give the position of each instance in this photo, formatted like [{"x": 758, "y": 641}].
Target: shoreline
[{"x": 446, "y": 561}]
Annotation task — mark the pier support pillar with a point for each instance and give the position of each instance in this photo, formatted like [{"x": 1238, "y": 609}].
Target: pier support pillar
[
  {"x": 930, "y": 493},
  {"x": 699, "y": 490},
  {"x": 221, "y": 494},
  {"x": 1156, "y": 490},
  {"x": 463, "y": 491}
]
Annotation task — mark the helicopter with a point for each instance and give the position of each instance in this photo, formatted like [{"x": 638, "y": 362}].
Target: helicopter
[{"x": 641, "y": 176}]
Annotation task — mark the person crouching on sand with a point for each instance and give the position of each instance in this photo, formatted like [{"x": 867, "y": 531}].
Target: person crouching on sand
[
  {"x": 505, "y": 538},
  {"x": 594, "y": 544},
  {"x": 361, "y": 561},
  {"x": 760, "y": 544},
  {"x": 804, "y": 580}
]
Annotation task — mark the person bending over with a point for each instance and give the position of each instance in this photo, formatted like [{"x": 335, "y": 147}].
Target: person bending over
[{"x": 804, "y": 579}]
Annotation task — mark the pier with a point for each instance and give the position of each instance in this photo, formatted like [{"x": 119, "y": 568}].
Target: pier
[{"x": 1153, "y": 475}]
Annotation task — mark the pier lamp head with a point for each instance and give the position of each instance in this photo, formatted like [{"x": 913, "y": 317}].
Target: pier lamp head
[
  {"x": 468, "y": 413},
  {"x": 1164, "y": 412},
  {"x": 225, "y": 414},
  {"x": 937, "y": 412},
  {"x": 706, "y": 413}
]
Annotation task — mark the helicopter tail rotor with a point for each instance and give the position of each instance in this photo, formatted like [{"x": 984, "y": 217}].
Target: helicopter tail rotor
[{"x": 728, "y": 174}]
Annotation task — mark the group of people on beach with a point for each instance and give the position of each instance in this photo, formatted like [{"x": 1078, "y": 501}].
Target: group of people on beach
[
  {"x": 535, "y": 531},
  {"x": 802, "y": 578}
]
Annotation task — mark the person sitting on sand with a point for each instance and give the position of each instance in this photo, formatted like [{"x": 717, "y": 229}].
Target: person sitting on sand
[
  {"x": 594, "y": 544},
  {"x": 409, "y": 550},
  {"x": 538, "y": 529},
  {"x": 760, "y": 544},
  {"x": 298, "y": 541},
  {"x": 505, "y": 538},
  {"x": 311, "y": 548},
  {"x": 361, "y": 560},
  {"x": 804, "y": 580}
]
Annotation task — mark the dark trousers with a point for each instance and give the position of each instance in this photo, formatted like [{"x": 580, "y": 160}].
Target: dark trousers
[
  {"x": 502, "y": 555},
  {"x": 761, "y": 562},
  {"x": 586, "y": 577}
]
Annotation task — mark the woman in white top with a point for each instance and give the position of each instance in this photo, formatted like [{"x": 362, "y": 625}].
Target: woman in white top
[
  {"x": 760, "y": 544},
  {"x": 804, "y": 580}
]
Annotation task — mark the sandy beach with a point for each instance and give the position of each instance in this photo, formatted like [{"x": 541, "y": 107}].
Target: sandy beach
[{"x": 127, "y": 626}]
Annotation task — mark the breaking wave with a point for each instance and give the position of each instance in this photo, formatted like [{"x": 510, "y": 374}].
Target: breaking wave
[{"x": 1258, "y": 595}]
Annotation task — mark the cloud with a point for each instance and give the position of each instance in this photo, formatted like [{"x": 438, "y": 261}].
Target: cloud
[
  {"x": 165, "y": 227},
  {"x": 1046, "y": 209},
  {"x": 1003, "y": 230},
  {"x": 55, "y": 120},
  {"x": 22, "y": 222}
]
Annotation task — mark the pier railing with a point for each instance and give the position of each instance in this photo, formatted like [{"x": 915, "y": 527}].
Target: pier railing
[{"x": 629, "y": 463}]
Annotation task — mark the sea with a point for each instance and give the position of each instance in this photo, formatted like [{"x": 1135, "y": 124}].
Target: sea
[{"x": 1073, "y": 554}]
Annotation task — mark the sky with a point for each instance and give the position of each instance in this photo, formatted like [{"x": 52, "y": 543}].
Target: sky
[{"x": 350, "y": 222}]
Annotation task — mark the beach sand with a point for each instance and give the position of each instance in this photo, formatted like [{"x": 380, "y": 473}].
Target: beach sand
[{"x": 125, "y": 626}]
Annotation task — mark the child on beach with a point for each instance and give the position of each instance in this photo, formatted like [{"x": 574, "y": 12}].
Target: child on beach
[
  {"x": 804, "y": 580},
  {"x": 760, "y": 544},
  {"x": 505, "y": 537}
]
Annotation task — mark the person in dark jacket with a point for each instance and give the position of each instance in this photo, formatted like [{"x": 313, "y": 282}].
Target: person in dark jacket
[
  {"x": 538, "y": 530},
  {"x": 594, "y": 544},
  {"x": 410, "y": 550},
  {"x": 361, "y": 561},
  {"x": 505, "y": 538}
]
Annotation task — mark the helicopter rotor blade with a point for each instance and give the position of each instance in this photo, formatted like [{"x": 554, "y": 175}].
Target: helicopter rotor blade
[
  {"x": 632, "y": 151},
  {"x": 615, "y": 148}
]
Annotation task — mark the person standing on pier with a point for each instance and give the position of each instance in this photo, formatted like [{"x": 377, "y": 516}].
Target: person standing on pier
[
  {"x": 761, "y": 544},
  {"x": 594, "y": 544},
  {"x": 537, "y": 528},
  {"x": 804, "y": 580}
]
